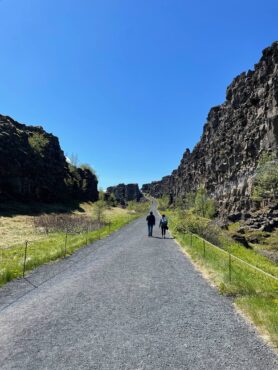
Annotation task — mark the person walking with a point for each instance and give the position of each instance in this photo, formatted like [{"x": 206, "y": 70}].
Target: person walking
[
  {"x": 151, "y": 222},
  {"x": 163, "y": 225}
]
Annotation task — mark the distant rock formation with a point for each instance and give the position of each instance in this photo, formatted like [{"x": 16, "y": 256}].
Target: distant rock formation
[
  {"x": 234, "y": 136},
  {"x": 125, "y": 193},
  {"x": 34, "y": 168}
]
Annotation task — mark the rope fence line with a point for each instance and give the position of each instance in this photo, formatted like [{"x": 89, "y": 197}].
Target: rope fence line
[{"x": 230, "y": 255}]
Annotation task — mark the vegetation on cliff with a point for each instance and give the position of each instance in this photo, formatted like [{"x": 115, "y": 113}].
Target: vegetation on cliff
[{"x": 265, "y": 184}]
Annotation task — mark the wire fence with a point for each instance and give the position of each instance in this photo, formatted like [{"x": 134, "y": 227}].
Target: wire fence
[
  {"x": 234, "y": 269},
  {"x": 16, "y": 260}
]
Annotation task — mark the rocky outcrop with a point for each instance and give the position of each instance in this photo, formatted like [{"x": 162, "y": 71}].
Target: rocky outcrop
[
  {"x": 82, "y": 184},
  {"x": 125, "y": 193},
  {"x": 33, "y": 167},
  {"x": 234, "y": 136}
]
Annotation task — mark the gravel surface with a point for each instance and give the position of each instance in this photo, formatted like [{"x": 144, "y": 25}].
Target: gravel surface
[{"x": 125, "y": 302}]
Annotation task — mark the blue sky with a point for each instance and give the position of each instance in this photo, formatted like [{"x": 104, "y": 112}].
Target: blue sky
[{"x": 126, "y": 84}]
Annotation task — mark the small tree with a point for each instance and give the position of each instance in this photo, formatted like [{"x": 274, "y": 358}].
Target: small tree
[
  {"x": 101, "y": 194},
  {"x": 74, "y": 159},
  {"x": 186, "y": 201},
  {"x": 190, "y": 200},
  {"x": 100, "y": 207},
  {"x": 164, "y": 202},
  {"x": 265, "y": 185},
  {"x": 204, "y": 206},
  {"x": 180, "y": 203}
]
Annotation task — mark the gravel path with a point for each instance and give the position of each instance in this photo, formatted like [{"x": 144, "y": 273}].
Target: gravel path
[{"x": 126, "y": 302}]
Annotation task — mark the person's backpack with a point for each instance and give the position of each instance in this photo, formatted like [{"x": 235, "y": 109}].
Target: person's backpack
[{"x": 164, "y": 222}]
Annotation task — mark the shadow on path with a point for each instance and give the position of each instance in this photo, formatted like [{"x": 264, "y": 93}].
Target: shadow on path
[{"x": 159, "y": 237}]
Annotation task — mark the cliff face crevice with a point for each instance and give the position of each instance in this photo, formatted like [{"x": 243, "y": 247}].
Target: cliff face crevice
[
  {"x": 234, "y": 137},
  {"x": 33, "y": 167}
]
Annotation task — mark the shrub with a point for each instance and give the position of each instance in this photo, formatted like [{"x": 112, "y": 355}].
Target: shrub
[
  {"x": 273, "y": 240},
  {"x": 139, "y": 207},
  {"x": 204, "y": 206},
  {"x": 186, "y": 201},
  {"x": 265, "y": 184},
  {"x": 164, "y": 202},
  {"x": 38, "y": 142},
  {"x": 190, "y": 222},
  {"x": 109, "y": 198},
  {"x": 88, "y": 167},
  {"x": 64, "y": 223}
]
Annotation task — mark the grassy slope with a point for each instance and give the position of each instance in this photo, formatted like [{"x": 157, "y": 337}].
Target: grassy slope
[
  {"x": 255, "y": 294},
  {"x": 41, "y": 248},
  {"x": 263, "y": 246}
]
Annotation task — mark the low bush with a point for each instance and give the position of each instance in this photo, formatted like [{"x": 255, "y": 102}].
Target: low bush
[
  {"x": 187, "y": 221},
  {"x": 54, "y": 223},
  {"x": 273, "y": 240},
  {"x": 163, "y": 202}
]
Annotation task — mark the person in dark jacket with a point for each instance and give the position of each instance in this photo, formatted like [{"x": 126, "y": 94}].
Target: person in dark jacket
[{"x": 151, "y": 222}]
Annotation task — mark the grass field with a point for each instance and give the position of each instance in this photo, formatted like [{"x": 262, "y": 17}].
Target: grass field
[
  {"x": 255, "y": 293},
  {"x": 15, "y": 229},
  {"x": 43, "y": 248}
]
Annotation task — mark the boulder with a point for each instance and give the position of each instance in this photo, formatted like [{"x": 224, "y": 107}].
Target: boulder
[{"x": 239, "y": 238}]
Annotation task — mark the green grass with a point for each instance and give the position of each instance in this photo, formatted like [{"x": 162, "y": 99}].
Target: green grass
[
  {"x": 263, "y": 312},
  {"x": 52, "y": 248},
  {"x": 255, "y": 293}
]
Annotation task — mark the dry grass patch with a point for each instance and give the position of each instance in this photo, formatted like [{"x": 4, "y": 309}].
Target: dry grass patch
[
  {"x": 52, "y": 235},
  {"x": 17, "y": 229}
]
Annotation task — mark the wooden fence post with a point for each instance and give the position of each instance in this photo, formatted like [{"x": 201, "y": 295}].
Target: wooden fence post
[
  {"x": 66, "y": 241},
  {"x": 25, "y": 257},
  {"x": 230, "y": 267}
]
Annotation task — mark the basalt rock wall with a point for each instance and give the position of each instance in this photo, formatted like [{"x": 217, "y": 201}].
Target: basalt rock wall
[
  {"x": 234, "y": 136},
  {"x": 33, "y": 167},
  {"x": 125, "y": 193}
]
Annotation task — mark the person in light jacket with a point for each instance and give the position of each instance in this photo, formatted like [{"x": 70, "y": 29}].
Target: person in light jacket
[{"x": 163, "y": 225}]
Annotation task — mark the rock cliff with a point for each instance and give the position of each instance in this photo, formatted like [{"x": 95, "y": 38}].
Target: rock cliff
[
  {"x": 234, "y": 136},
  {"x": 125, "y": 193},
  {"x": 33, "y": 167}
]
